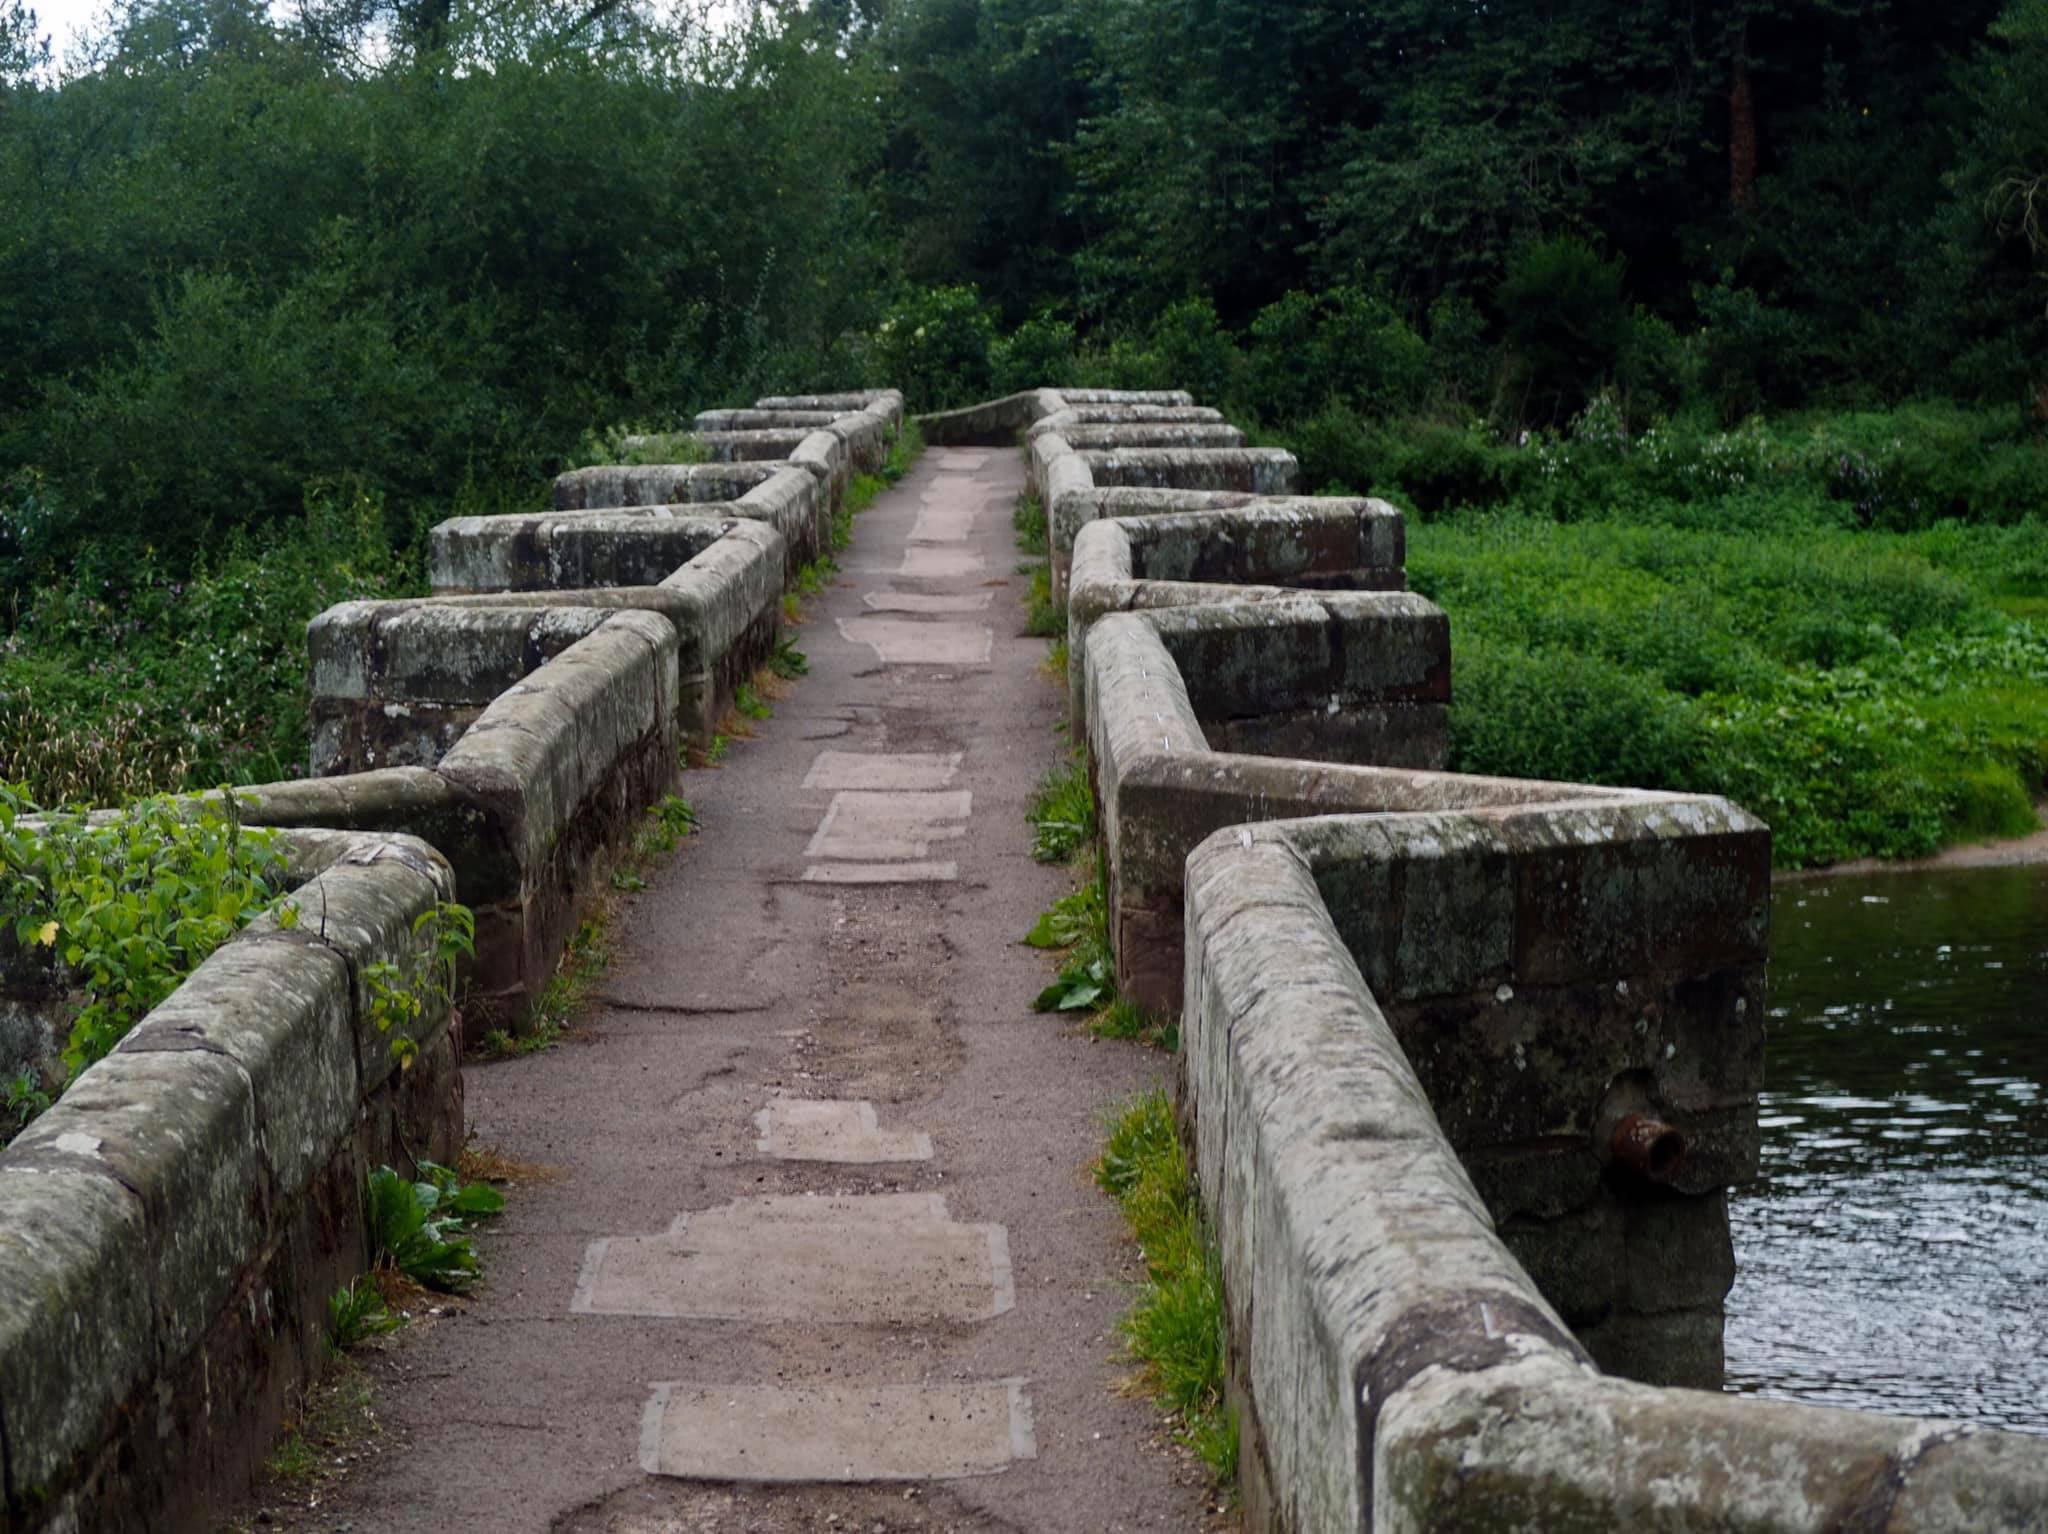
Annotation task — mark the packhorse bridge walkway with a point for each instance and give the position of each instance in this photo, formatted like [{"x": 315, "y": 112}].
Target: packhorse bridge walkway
[{"x": 1467, "y": 1064}]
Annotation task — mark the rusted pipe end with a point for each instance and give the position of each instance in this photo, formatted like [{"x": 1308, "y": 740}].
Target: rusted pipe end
[{"x": 1648, "y": 1147}]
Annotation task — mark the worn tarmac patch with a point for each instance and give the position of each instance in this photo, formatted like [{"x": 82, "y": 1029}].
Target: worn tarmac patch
[
  {"x": 892, "y": 1259},
  {"x": 835, "y": 1432},
  {"x": 901, "y": 770},
  {"x": 810, "y": 1129}
]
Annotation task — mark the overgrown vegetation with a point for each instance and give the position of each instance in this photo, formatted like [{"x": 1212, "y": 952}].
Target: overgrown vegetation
[
  {"x": 123, "y": 910},
  {"x": 1063, "y": 812},
  {"x": 1174, "y": 1328},
  {"x": 278, "y": 294},
  {"x": 420, "y": 1227}
]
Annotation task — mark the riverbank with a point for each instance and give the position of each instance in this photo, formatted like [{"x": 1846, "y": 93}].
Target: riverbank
[{"x": 2000, "y": 852}]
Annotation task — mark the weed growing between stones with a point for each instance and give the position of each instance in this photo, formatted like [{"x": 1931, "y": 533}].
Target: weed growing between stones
[
  {"x": 356, "y": 1312},
  {"x": 1123, "y": 1019},
  {"x": 332, "y": 1426},
  {"x": 1028, "y": 519},
  {"x": 420, "y": 1227},
  {"x": 1063, "y": 813},
  {"x": 1175, "y": 1328},
  {"x": 749, "y": 702},
  {"x": 1078, "y": 924},
  {"x": 1044, "y": 617},
  {"x": 788, "y": 662},
  {"x": 588, "y": 953}
]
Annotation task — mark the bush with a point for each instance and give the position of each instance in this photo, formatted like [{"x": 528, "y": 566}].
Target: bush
[
  {"x": 937, "y": 346},
  {"x": 1752, "y": 356},
  {"x": 1565, "y": 324},
  {"x": 1037, "y": 353},
  {"x": 1194, "y": 352},
  {"x": 1344, "y": 347}
]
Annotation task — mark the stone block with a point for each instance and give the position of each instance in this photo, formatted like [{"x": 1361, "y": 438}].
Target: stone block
[
  {"x": 178, "y": 1129},
  {"x": 78, "y": 1336},
  {"x": 281, "y": 1009}
]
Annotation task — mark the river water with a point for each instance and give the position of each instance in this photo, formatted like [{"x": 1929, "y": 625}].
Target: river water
[{"x": 1895, "y": 1254}]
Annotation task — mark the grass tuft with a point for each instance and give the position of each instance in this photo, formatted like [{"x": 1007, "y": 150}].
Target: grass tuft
[
  {"x": 1062, "y": 814},
  {"x": 1174, "y": 1330}
]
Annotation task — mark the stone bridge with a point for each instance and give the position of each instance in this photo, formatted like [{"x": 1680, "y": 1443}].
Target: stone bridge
[{"x": 1467, "y": 1066}]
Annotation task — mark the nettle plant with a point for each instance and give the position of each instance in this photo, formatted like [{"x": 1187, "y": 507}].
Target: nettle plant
[{"x": 129, "y": 905}]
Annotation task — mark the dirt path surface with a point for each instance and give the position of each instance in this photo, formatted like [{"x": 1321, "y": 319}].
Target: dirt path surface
[{"x": 743, "y": 1272}]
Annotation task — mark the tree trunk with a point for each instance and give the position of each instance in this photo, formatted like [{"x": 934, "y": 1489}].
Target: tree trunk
[{"x": 1741, "y": 128}]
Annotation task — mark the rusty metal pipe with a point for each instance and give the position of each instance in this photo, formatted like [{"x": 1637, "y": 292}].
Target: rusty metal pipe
[{"x": 1648, "y": 1147}]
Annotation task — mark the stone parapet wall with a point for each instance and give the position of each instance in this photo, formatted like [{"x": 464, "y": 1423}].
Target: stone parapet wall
[
  {"x": 1468, "y": 1064},
  {"x": 1394, "y": 1366},
  {"x": 171, "y": 1230}
]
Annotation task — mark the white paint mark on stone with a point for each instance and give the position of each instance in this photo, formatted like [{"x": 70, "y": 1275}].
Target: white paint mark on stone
[
  {"x": 810, "y": 1129},
  {"x": 891, "y": 1259},
  {"x": 836, "y": 1432},
  {"x": 904, "y": 770},
  {"x": 882, "y": 873},
  {"x": 919, "y": 602},
  {"x": 903, "y": 642},
  {"x": 875, "y": 826}
]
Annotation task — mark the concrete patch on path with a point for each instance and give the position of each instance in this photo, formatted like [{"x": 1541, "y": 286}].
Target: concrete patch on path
[
  {"x": 942, "y": 522},
  {"x": 876, "y": 826},
  {"x": 900, "y": 642},
  {"x": 882, "y": 873},
  {"x": 939, "y": 562},
  {"x": 888, "y": 1259},
  {"x": 809, "y": 1129},
  {"x": 920, "y": 602},
  {"x": 836, "y": 1432},
  {"x": 902, "y": 770}
]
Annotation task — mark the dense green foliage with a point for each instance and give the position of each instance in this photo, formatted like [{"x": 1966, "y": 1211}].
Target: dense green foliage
[
  {"x": 1757, "y": 286},
  {"x": 131, "y": 906}
]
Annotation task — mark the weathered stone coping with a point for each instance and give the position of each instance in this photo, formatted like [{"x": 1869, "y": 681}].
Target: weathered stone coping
[
  {"x": 1395, "y": 1367},
  {"x": 170, "y": 1230},
  {"x": 887, "y": 403},
  {"x": 634, "y": 545},
  {"x": 1122, "y": 415},
  {"x": 762, "y": 420},
  {"x": 995, "y": 422},
  {"x": 1075, "y": 396},
  {"x": 1153, "y": 434},
  {"x": 604, "y": 487},
  {"x": 1254, "y": 550}
]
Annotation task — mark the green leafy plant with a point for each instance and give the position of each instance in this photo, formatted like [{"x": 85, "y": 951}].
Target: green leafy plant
[
  {"x": 787, "y": 661},
  {"x": 749, "y": 702},
  {"x": 357, "y": 1312},
  {"x": 1079, "y": 923},
  {"x": 405, "y": 995},
  {"x": 1062, "y": 814},
  {"x": 420, "y": 1228},
  {"x": 1028, "y": 519},
  {"x": 130, "y": 905},
  {"x": 21, "y": 1102}
]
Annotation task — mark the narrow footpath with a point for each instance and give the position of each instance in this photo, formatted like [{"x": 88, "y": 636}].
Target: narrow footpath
[{"x": 824, "y": 1253}]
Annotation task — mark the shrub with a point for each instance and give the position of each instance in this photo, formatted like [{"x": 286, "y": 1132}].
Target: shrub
[
  {"x": 936, "y": 345},
  {"x": 1194, "y": 352},
  {"x": 1565, "y": 324},
  {"x": 1037, "y": 353},
  {"x": 1345, "y": 347}
]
